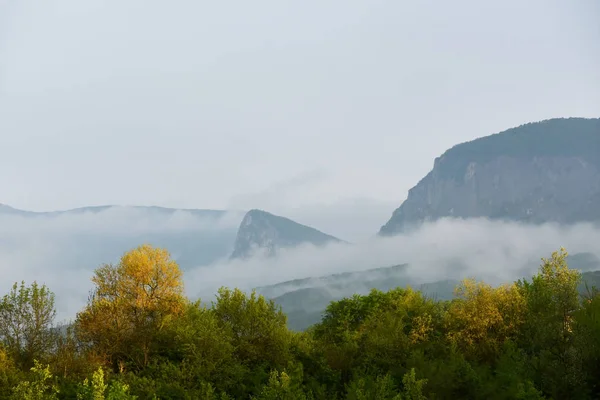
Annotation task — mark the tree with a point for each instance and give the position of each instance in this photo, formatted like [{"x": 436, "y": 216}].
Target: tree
[
  {"x": 258, "y": 332},
  {"x": 281, "y": 386},
  {"x": 378, "y": 330},
  {"x": 413, "y": 387},
  {"x": 131, "y": 302},
  {"x": 97, "y": 389},
  {"x": 552, "y": 298},
  {"x": 202, "y": 346},
  {"x": 94, "y": 389},
  {"x": 38, "y": 388},
  {"x": 68, "y": 358},
  {"x": 366, "y": 388},
  {"x": 257, "y": 326},
  {"x": 547, "y": 336},
  {"x": 26, "y": 317},
  {"x": 9, "y": 375},
  {"x": 482, "y": 318},
  {"x": 586, "y": 332}
]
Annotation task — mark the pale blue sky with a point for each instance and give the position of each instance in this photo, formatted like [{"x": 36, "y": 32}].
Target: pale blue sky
[{"x": 272, "y": 104}]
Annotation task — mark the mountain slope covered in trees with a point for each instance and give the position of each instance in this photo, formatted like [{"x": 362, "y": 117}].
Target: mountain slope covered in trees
[{"x": 305, "y": 300}]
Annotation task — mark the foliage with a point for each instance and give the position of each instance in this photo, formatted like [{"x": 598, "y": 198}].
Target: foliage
[
  {"x": 140, "y": 338},
  {"x": 482, "y": 318},
  {"x": 97, "y": 389},
  {"x": 26, "y": 317},
  {"x": 40, "y": 387},
  {"x": 132, "y": 301}
]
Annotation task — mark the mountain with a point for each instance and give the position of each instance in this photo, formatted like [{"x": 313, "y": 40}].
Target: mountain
[
  {"x": 305, "y": 300},
  {"x": 194, "y": 237},
  {"x": 8, "y": 210},
  {"x": 347, "y": 283},
  {"x": 540, "y": 172},
  {"x": 263, "y": 231},
  {"x": 5, "y": 209}
]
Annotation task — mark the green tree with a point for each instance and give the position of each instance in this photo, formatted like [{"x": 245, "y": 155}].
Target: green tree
[
  {"x": 94, "y": 389},
  {"x": 413, "y": 387},
  {"x": 586, "y": 331},
  {"x": 552, "y": 300},
  {"x": 201, "y": 341},
  {"x": 26, "y": 317},
  {"x": 195, "y": 349},
  {"x": 97, "y": 389},
  {"x": 281, "y": 386},
  {"x": 257, "y": 326},
  {"x": 9, "y": 374},
  {"x": 368, "y": 388},
  {"x": 259, "y": 335},
  {"x": 40, "y": 387}
]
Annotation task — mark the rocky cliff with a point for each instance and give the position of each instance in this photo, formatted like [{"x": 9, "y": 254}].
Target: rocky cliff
[
  {"x": 261, "y": 231},
  {"x": 539, "y": 172}
]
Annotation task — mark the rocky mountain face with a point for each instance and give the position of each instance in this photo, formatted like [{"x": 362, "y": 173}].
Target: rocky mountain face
[
  {"x": 264, "y": 232},
  {"x": 539, "y": 172}
]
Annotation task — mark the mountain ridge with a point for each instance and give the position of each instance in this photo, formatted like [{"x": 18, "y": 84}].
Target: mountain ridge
[
  {"x": 546, "y": 171},
  {"x": 207, "y": 239},
  {"x": 304, "y": 300},
  {"x": 7, "y": 209}
]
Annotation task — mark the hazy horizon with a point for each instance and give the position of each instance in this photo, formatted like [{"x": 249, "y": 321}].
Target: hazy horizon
[
  {"x": 49, "y": 251},
  {"x": 199, "y": 105}
]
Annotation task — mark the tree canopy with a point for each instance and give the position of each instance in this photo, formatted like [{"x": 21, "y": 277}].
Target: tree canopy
[{"x": 139, "y": 337}]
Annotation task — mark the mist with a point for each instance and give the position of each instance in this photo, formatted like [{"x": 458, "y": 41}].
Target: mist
[
  {"x": 493, "y": 251},
  {"x": 62, "y": 251}
]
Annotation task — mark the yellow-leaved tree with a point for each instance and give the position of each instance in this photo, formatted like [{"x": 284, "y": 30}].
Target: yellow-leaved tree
[
  {"x": 130, "y": 304},
  {"x": 482, "y": 317}
]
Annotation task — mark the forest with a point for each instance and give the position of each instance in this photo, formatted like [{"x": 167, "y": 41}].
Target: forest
[{"x": 139, "y": 337}]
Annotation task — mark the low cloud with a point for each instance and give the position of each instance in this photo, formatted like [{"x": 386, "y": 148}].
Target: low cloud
[
  {"x": 121, "y": 220},
  {"x": 448, "y": 249},
  {"x": 350, "y": 219},
  {"x": 63, "y": 250},
  {"x": 279, "y": 192}
]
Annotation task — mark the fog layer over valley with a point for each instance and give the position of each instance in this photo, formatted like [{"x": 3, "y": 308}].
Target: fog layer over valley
[
  {"x": 62, "y": 250},
  {"x": 449, "y": 249}
]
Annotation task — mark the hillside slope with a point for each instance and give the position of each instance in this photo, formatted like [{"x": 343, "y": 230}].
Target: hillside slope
[
  {"x": 305, "y": 300},
  {"x": 540, "y": 172}
]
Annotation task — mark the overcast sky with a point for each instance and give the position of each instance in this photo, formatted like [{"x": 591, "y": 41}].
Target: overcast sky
[{"x": 272, "y": 104}]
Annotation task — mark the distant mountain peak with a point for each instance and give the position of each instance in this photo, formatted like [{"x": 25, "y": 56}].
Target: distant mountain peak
[
  {"x": 6, "y": 209},
  {"x": 261, "y": 231},
  {"x": 546, "y": 171}
]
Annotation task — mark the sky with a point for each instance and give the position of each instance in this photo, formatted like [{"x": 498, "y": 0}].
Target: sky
[{"x": 295, "y": 107}]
